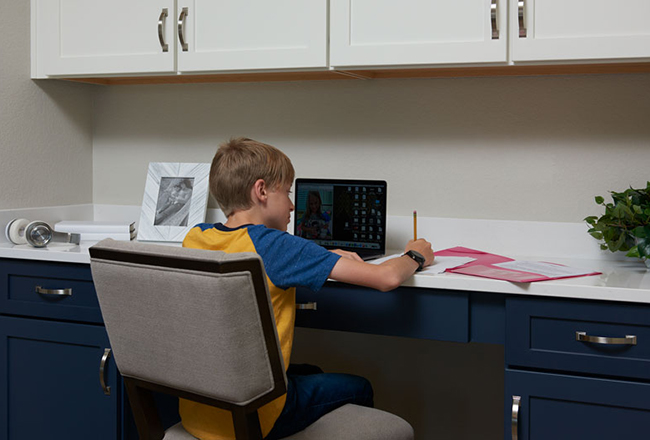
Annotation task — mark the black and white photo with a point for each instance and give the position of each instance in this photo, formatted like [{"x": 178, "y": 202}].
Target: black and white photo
[{"x": 175, "y": 199}]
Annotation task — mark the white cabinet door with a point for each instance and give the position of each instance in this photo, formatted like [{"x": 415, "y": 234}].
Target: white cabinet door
[
  {"x": 87, "y": 37},
  {"x": 252, "y": 34},
  {"x": 579, "y": 29},
  {"x": 417, "y": 32}
]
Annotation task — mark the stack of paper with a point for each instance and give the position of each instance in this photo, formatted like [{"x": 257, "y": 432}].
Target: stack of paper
[
  {"x": 98, "y": 230},
  {"x": 440, "y": 264}
]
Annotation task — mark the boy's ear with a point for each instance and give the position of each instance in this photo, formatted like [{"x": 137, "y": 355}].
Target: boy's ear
[{"x": 259, "y": 191}]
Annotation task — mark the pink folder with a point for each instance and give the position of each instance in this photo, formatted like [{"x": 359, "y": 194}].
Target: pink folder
[{"x": 483, "y": 266}]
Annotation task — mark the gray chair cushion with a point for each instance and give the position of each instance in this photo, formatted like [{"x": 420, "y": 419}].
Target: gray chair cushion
[
  {"x": 353, "y": 422},
  {"x": 349, "y": 422}
]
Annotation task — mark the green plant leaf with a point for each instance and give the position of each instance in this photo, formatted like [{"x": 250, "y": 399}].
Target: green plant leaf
[
  {"x": 643, "y": 246},
  {"x": 597, "y": 235},
  {"x": 641, "y": 232},
  {"x": 591, "y": 219},
  {"x": 603, "y": 247},
  {"x": 599, "y": 200},
  {"x": 618, "y": 244},
  {"x": 634, "y": 253}
]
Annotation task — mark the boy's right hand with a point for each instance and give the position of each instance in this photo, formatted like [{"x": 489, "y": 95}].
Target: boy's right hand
[{"x": 423, "y": 247}]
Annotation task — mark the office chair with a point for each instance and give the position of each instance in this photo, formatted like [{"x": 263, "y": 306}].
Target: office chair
[{"x": 199, "y": 325}]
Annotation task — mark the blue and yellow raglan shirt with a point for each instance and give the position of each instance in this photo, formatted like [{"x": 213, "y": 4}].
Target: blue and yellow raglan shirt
[{"x": 289, "y": 262}]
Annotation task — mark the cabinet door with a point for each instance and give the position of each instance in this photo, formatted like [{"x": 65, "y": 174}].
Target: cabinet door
[
  {"x": 251, "y": 34},
  {"x": 92, "y": 37},
  {"x": 550, "y": 30},
  {"x": 50, "y": 381},
  {"x": 417, "y": 32},
  {"x": 559, "y": 407}
]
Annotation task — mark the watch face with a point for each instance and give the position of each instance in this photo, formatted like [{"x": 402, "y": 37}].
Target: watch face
[{"x": 39, "y": 234}]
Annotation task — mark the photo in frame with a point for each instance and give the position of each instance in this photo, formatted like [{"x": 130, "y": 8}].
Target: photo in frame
[{"x": 175, "y": 200}]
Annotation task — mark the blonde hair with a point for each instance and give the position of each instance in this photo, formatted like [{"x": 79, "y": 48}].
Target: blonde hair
[{"x": 238, "y": 164}]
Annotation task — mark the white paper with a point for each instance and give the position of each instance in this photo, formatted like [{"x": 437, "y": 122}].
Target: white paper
[
  {"x": 550, "y": 270},
  {"x": 440, "y": 264}
]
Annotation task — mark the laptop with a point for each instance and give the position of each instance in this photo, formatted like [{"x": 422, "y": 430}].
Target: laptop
[{"x": 342, "y": 214}]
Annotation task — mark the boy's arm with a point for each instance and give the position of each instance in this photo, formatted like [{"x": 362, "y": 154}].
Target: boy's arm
[{"x": 386, "y": 276}]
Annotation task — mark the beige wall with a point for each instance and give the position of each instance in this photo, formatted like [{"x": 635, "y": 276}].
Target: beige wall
[
  {"x": 45, "y": 126},
  {"x": 527, "y": 148}
]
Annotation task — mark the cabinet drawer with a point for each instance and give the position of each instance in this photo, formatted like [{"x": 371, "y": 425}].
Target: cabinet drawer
[
  {"x": 615, "y": 337},
  {"x": 408, "y": 311},
  {"x": 563, "y": 407},
  {"x": 49, "y": 290}
]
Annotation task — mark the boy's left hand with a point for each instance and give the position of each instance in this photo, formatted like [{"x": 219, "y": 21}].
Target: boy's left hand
[{"x": 347, "y": 254}]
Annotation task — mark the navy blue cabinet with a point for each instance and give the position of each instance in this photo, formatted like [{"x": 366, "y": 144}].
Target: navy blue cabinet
[
  {"x": 57, "y": 381},
  {"x": 576, "y": 369},
  {"x": 549, "y": 406}
]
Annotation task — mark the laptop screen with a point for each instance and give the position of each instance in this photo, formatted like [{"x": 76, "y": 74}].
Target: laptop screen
[{"x": 342, "y": 214}]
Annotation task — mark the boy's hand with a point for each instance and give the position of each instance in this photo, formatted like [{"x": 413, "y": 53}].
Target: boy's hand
[
  {"x": 346, "y": 254},
  {"x": 423, "y": 247}
]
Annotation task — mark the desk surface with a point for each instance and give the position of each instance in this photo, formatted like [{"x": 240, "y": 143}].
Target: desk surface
[{"x": 627, "y": 281}]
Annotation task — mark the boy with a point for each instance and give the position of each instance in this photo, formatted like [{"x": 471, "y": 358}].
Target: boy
[{"x": 252, "y": 181}]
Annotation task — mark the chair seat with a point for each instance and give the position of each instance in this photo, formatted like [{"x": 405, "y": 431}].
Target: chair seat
[{"x": 349, "y": 422}]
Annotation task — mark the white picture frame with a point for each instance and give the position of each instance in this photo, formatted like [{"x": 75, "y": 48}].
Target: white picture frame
[{"x": 175, "y": 200}]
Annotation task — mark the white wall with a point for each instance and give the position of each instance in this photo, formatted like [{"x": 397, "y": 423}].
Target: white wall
[
  {"x": 526, "y": 148},
  {"x": 45, "y": 126}
]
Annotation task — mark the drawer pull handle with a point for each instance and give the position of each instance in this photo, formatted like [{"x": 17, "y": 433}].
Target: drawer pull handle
[
  {"x": 102, "y": 371},
  {"x": 181, "y": 29},
  {"x": 161, "y": 35},
  {"x": 307, "y": 306},
  {"x": 516, "y": 404},
  {"x": 522, "y": 18},
  {"x": 494, "y": 12},
  {"x": 627, "y": 340},
  {"x": 60, "y": 292}
]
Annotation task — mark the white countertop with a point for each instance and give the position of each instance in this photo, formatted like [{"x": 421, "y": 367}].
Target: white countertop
[{"x": 627, "y": 281}]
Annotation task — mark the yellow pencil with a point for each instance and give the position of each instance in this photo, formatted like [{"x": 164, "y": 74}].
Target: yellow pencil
[{"x": 415, "y": 225}]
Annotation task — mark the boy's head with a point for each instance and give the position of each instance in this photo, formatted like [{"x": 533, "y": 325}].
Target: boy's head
[{"x": 238, "y": 164}]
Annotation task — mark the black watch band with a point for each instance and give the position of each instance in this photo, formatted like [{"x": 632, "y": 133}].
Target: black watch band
[{"x": 417, "y": 257}]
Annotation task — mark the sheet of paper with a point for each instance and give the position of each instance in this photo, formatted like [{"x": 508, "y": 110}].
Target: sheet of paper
[
  {"x": 550, "y": 270},
  {"x": 440, "y": 264}
]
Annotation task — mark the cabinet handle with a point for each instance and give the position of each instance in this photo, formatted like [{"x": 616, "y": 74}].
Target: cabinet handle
[
  {"x": 181, "y": 29},
  {"x": 60, "y": 292},
  {"x": 102, "y": 371},
  {"x": 627, "y": 340},
  {"x": 161, "y": 27},
  {"x": 522, "y": 16},
  {"x": 516, "y": 404},
  {"x": 494, "y": 12},
  {"x": 307, "y": 306}
]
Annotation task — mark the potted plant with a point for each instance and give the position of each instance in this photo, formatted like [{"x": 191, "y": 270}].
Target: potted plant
[{"x": 625, "y": 226}]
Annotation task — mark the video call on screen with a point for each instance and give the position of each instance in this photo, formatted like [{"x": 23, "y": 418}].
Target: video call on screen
[{"x": 342, "y": 215}]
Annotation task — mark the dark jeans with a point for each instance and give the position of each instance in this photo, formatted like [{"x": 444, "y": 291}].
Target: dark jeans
[{"x": 311, "y": 394}]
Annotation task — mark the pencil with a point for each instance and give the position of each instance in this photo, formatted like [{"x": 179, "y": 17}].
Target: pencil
[{"x": 415, "y": 225}]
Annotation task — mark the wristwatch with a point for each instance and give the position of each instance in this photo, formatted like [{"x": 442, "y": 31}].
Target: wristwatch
[{"x": 417, "y": 257}]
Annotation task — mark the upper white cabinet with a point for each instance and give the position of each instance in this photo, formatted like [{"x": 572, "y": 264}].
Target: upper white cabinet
[
  {"x": 569, "y": 30},
  {"x": 78, "y": 37},
  {"x": 252, "y": 34},
  {"x": 122, "y": 37},
  {"x": 417, "y": 32},
  {"x": 150, "y": 37}
]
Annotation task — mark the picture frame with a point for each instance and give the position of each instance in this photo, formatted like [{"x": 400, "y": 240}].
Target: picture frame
[{"x": 175, "y": 200}]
